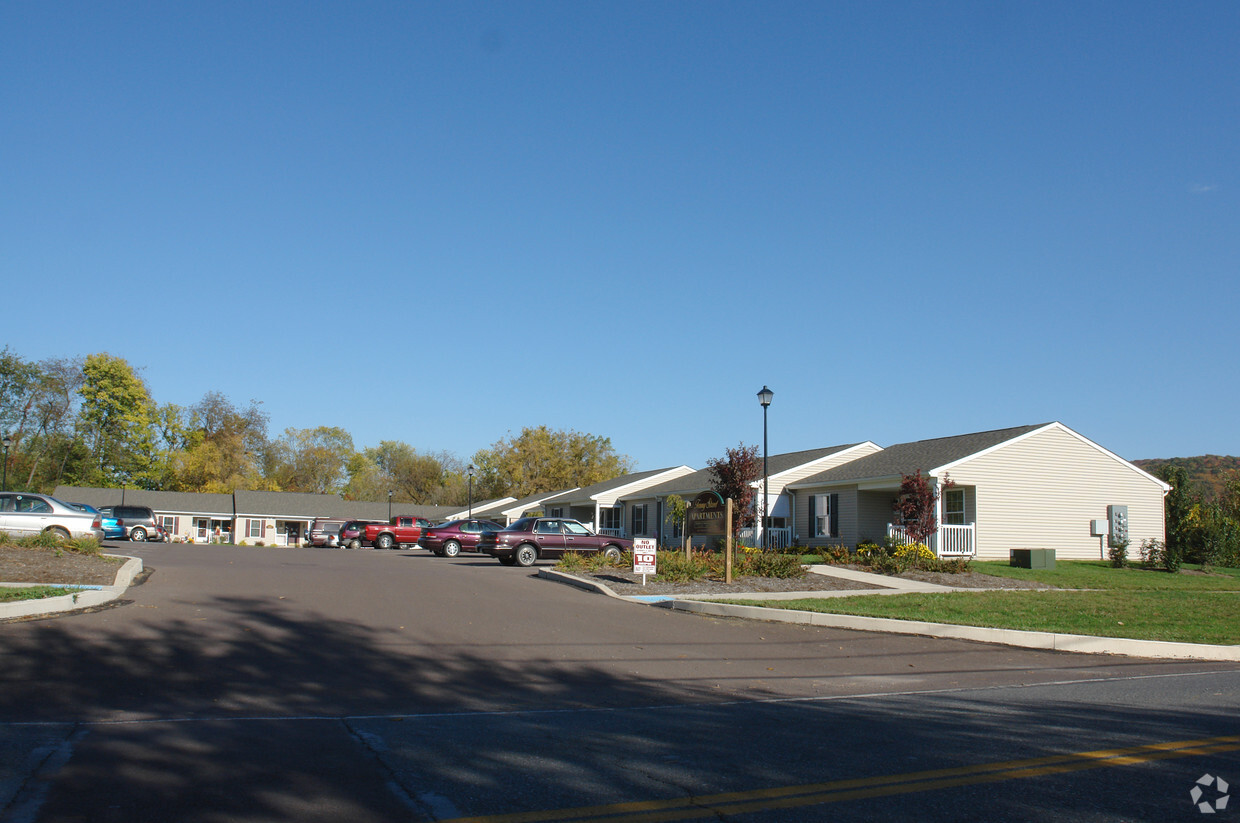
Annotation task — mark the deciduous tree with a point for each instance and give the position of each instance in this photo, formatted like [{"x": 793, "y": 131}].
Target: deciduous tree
[
  {"x": 733, "y": 476},
  {"x": 542, "y": 460},
  {"x": 915, "y": 507}
]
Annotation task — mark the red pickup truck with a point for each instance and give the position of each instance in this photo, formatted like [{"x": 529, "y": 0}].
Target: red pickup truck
[{"x": 404, "y": 530}]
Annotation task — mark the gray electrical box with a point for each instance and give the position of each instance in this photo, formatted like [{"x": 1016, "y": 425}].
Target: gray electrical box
[{"x": 1117, "y": 520}]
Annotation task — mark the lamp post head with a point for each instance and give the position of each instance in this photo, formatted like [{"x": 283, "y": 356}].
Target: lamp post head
[
  {"x": 764, "y": 396},
  {"x": 471, "y": 471},
  {"x": 8, "y": 441}
]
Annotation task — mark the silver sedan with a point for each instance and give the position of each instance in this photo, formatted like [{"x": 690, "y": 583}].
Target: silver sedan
[{"x": 24, "y": 513}]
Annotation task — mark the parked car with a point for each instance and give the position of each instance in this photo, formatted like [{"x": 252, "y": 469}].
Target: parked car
[
  {"x": 402, "y": 530},
  {"x": 534, "y": 538},
  {"x": 111, "y": 529},
  {"x": 25, "y": 513},
  {"x": 139, "y": 523},
  {"x": 325, "y": 532},
  {"x": 351, "y": 533},
  {"x": 451, "y": 538}
]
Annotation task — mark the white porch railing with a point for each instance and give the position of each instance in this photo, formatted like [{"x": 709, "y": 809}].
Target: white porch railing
[
  {"x": 775, "y": 538},
  {"x": 957, "y": 541},
  {"x": 612, "y": 532},
  {"x": 949, "y": 541}
]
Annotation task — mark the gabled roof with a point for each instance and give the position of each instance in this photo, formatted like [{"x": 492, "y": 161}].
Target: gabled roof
[
  {"x": 160, "y": 501},
  {"x": 616, "y": 484},
  {"x": 483, "y": 508},
  {"x": 701, "y": 480},
  {"x": 922, "y": 455},
  {"x": 293, "y": 504}
]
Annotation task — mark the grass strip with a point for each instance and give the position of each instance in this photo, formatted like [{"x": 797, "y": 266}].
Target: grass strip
[
  {"x": 12, "y": 595},
  {"x": 1176, "y": 616}
]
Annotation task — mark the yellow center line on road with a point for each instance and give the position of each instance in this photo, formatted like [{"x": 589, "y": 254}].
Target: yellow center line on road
[{"x": 785, "y": 797}]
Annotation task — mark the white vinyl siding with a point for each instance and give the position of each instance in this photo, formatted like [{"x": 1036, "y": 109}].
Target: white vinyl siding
[{"x": 1041, "y": 492}]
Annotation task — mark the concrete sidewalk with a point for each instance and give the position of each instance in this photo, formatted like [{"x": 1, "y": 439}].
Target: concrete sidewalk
[
  {"x": 75, "y": 597},
  {"x": 886, "y": 585}
]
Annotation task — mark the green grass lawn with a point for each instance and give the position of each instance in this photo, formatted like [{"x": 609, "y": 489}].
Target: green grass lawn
[
  {"x": 10, "y": 595},
  {"x": 1105, "y": 602}
]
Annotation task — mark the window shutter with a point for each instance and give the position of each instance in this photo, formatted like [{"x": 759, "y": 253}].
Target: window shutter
[
  {"x": 813, "y": 516},
  {"x": 835, "y": 515},
  {"x": 264, "y": 528}
]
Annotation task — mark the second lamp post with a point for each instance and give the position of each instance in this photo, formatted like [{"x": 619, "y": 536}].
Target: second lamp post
[{"x": 764, "y": 397}]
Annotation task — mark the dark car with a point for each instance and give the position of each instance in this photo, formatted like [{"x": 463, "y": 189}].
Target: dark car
[
  {"x": 112, "y": 530},
  {"x": 139, "y": 522},
  {"x": 451, "y": 538},
  {"x": 533, "y": 538},
  {"x": 352, "y": 532}
]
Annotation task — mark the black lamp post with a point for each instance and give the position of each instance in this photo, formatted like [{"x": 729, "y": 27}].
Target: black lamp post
[
  {"x": 471, "y": 471},
  {"x": 389, "y": 505},
  {"x": 8, "y": 441},
  {"x": 764, "y": 397}
]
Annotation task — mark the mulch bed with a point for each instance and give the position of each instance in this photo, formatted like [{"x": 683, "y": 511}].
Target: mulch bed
[
  {"x": 626, "y": 583},
  {"x": 21, "y": 565}
]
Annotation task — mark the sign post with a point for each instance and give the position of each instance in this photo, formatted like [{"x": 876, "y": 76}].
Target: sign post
[{"x": 645, "y": 556}]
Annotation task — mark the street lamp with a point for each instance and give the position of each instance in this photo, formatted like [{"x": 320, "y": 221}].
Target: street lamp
[
  {"x": 764, "y": 397},
  {"x": 389, "y": 505},
  {"x": 8, "y": 441},
  {"x": 471, "y": 471}
]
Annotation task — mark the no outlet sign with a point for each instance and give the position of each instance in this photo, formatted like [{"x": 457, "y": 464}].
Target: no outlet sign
[{"x": 644, "y": 554}]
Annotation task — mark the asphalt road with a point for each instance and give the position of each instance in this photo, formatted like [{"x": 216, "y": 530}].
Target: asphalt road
[{"x": 249, "y": 684}]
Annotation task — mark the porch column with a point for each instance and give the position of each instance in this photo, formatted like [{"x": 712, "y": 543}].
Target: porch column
[
  {"x": 938, "y": 516},
  {"x": 594, "y": 525}
]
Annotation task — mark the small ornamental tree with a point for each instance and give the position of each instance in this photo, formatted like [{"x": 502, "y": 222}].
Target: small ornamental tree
[
  {"x": 732, "y": 476},
  {"x": 914, "y": 508}
]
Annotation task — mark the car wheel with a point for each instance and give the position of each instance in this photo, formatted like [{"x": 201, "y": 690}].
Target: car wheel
[
  {"x": 354, "y": 544},
  {"x": 451, "y": 549},
  {"x": 525, "y": 555},
  {"x": 138, "y": 535},
  {"x": 508, "y": 561},
  {"x": 61, "y": 534},
  {"x": 612, "y": 553},
  {"x": 384, "y": 541}
]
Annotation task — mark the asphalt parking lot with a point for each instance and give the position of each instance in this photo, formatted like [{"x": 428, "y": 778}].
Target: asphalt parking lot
[{"x": 281, "y": 684}]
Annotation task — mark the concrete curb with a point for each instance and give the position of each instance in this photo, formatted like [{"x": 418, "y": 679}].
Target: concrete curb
[
  {"x": 1077, "y": 643},
  {"x": 81, "y": 597}
]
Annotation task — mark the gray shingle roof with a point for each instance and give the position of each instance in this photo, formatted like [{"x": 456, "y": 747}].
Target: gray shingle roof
[
  {"x": 165, "y": 502},
  {"x": 922, "y": 455},
  {"x": 588, "y": 492}
]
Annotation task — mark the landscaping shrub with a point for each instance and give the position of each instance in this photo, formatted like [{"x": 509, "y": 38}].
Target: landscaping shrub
[
  {"x": 1118, "y": 552},
  {"x": 767, "y": 564},
  {"x": 1155, "y": 554},
  {"x": 674, "y": 567}
]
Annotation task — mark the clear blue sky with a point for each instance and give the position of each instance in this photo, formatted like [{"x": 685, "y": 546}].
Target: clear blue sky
[{"x": 442, "y": 222}]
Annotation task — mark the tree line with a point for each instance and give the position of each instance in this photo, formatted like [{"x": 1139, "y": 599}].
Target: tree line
[{"x": 93, "y": 421}]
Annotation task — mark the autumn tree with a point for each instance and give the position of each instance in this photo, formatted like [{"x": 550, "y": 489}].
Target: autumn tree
[
  {"x": 915, "y": 507},
  {"x": 542, "y": 460},
  {"x": 117, "y": 424},
  {"x": 221, "y": 445},
  {"x": 733, "y": 476},
  {"x": 412, "y": 476},
  {"x": 309, "y": 460}
]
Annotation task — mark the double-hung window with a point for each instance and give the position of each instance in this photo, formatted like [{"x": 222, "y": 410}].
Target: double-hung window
[
  {"x": 639, "y": 519},
  {"x": 824, "y": 515},
  {"x": 953, "y": 507}
]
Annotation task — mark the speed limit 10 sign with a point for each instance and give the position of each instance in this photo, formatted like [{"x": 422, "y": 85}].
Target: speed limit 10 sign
[{"x": 644, "y": 554}]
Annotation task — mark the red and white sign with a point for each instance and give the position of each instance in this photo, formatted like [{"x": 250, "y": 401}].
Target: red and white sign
[{"x": 644, "y": 555}]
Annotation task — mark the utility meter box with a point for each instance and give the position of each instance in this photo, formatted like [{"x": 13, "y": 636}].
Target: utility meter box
[
  {"x": 1099, "y": 528},
  {"x": 1117, "y": 521}
]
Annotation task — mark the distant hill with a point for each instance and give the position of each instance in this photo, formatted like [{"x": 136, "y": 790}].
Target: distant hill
[{"x": 1207, "y": 471}]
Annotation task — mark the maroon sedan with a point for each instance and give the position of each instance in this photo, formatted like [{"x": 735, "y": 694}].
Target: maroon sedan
[
  {"x": 451, "y": 538},
  {"x": 532, "y": 538}
]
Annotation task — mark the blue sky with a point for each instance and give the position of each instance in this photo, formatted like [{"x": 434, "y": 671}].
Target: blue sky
[{"x": 442, "y": 222}]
